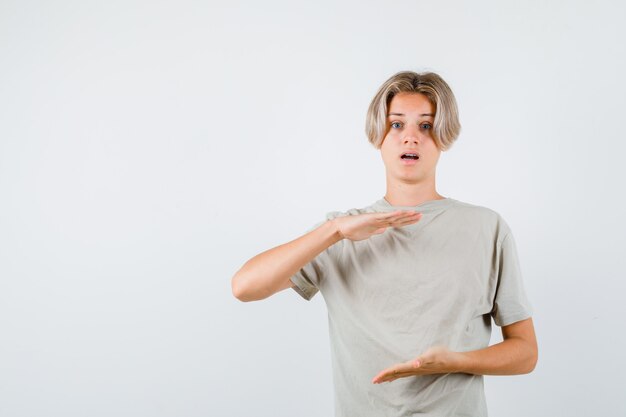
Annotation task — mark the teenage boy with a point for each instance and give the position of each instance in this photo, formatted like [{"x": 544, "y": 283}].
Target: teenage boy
[{"x": 412, "y": 281}]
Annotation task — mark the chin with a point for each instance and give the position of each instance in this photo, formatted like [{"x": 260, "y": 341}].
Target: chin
[{"x": 410, "y": 178}]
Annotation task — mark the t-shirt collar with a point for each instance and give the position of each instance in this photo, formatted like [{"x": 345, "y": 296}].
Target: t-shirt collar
[{"x": 426, "y": 205}]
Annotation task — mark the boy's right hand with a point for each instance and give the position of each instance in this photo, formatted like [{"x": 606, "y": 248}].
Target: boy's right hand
[{"x": 362, "y": 226}]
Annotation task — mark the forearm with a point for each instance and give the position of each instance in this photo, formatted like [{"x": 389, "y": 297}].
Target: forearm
[
  {"x": 512, "y": 356},
  {"x": 269, "y": 271}
]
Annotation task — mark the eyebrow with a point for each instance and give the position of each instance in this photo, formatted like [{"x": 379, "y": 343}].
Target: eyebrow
[{"x": 402, "y": 114}]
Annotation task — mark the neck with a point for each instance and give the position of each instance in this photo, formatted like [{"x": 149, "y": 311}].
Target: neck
[{"x": 411, "y": 194}]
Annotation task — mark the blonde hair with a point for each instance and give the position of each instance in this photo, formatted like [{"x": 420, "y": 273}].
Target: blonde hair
[{"x": 446, "y": 126}]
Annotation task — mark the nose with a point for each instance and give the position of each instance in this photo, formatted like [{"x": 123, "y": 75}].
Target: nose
[{"x": 411, "y": 135}]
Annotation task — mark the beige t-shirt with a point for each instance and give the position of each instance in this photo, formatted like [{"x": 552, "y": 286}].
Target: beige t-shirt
[{"x": 392, "y": 296}]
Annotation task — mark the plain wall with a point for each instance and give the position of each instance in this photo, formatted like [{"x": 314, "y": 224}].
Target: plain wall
[{"x": 149, "y": 149}]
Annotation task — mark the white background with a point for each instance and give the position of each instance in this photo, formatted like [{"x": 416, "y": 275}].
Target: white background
[{"x": 148, "y": 149}]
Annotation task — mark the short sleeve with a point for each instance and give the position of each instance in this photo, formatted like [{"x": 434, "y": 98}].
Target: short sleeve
[
  {"x": 511, "y": 303},
  {"x": 308, "y": 279}
]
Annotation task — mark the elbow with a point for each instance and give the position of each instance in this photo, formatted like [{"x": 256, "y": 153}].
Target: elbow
[
  {"x": 534, "y": 360},
  {"x": 531, "y": 362},
  {"x": 238, "y": 289},
  {"x": 243, "y": 291}
]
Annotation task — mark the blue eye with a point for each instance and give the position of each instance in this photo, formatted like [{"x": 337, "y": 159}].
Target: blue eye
[{"x": 425, "y": 126}]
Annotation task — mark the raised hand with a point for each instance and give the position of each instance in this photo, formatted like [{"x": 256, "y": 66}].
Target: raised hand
[{"x": 362, "y": 226}]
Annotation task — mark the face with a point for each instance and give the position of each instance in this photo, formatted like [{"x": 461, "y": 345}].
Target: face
[{"x": 410, "y": 119}]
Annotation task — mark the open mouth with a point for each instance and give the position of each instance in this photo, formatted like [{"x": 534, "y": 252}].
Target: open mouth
[{"x": 410, "y": 156}]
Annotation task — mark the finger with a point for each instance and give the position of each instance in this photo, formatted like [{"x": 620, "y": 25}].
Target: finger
[
  {"x": 393, "y": 214},
  {"x": 382, "y": 378},
  {"x": 386, "y": 373},
  {"x": 407, "y": 220},
  {"x": 396, "y": 370},
  {"x": 392, "y": 377},
  {"x": 409, "y": 215},
  {"x": 390, "y": 220},
  {"x": 400, "y": 375}
]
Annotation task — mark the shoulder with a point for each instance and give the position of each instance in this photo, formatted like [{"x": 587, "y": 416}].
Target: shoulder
[
  {"x": 474, "y": 209},
  {"x": 486, "y": 216}
]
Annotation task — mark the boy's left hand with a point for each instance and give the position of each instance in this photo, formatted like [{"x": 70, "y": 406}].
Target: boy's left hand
[{"x": 436, "y": 360}]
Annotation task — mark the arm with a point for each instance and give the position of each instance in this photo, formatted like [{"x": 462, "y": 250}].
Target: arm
[
  {"x": 270, "y": 271},
  {"x": 516, "y": 354}
]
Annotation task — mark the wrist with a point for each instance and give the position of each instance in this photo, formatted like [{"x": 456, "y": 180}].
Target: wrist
[
  {"x": 463, "y": 362},
  {"x": 460, "y": 362},
  {"x": 336, "y": 231}
]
